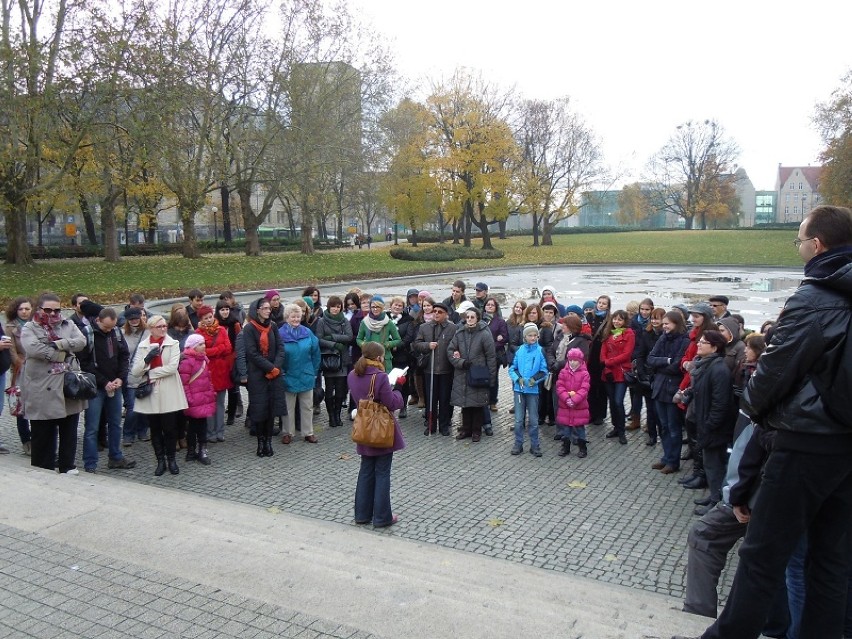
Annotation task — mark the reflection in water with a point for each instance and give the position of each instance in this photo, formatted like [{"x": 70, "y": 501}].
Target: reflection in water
[
  {"x": 757, "y": 295},
  {"x": 773, "y": 284}
]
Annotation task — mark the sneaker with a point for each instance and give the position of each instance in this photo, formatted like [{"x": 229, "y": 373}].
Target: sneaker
[
  {"x": 73, "y": 471},
  {"x": 28, "y": 448},
  {"x": 127, "y": 443},
  {"x": 494, "y": 408},
  {"x": 517, "y": 450},
  {"x": 121, "y": 463},
  {"x": 145, "y": 438},
  {"x": 94, "y": 471},
  {"x": 3, "y": 450},
  {"x": 536, "y": 452},
  {"x": 488, "y": 430}
]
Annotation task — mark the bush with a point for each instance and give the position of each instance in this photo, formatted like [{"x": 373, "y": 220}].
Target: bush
[{"x": 444, "y": 253}]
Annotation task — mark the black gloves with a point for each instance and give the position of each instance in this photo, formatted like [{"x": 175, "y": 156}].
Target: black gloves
[{"x": 155, "y": 350}]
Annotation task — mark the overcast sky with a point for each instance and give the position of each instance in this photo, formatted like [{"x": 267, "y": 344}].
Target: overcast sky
[{"x": 636, "y": 70}]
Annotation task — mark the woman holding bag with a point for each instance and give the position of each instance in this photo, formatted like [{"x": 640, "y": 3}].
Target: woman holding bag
[
  {"x": 372, "y": 493},
  {"x": 50, "y": 342}
]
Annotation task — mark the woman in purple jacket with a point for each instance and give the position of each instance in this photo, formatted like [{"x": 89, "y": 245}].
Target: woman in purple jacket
[{"x": 372, "y": 494}]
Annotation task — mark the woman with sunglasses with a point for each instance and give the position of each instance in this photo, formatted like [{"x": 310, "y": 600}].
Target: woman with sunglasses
[{"x": 49, "y": 342}]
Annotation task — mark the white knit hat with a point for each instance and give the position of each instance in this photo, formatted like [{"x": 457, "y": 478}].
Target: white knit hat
[{"x": 530, "y": 327}]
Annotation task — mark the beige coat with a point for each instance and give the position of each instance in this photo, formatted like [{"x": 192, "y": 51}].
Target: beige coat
[
  {"x": 168, "y": 395},
  {"x": 42, "y": 391}
]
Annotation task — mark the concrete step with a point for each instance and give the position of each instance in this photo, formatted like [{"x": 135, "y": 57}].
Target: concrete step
[{"x": 366, "y": 579}]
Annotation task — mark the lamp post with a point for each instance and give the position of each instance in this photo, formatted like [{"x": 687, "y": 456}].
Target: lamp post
[{"x": 215, "y": 228}]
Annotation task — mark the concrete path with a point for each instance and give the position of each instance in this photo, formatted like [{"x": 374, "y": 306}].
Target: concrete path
[{"x": 89, "y": 556}]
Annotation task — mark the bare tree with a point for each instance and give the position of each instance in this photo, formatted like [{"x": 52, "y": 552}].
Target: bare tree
[
  {"x": 686, "y": 174},
  {"x": 561, "y": 157}
]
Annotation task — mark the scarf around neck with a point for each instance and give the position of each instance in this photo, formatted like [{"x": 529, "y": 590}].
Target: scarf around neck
[
  {"x": 263, "y": 330},
  {"x": 376, "y": 322},
  {"x": 290, "y": 334}
]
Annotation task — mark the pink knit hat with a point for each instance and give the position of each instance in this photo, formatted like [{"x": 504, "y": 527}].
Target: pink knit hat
[{"x": 192, "y": 341}]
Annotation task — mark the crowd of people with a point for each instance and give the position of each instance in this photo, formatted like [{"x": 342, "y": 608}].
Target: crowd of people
[
  {"x": 176, "y": 381},
  {"x": 695, "y": 373}
]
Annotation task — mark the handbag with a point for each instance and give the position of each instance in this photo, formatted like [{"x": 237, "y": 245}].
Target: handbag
[
  {"x": 79, "y": 385},
  {"x": 16, "y": 406},
  {"x": 373, "y": 425},
  {"x": 478, "y": 376},
  {"x": 330, "y": 362},
  {"x": 144, "y": 389}
]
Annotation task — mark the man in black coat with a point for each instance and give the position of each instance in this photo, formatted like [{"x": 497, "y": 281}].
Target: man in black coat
[{"x": 807, "y": 479}]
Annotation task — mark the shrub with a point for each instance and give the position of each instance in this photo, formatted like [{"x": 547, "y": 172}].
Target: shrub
[{"x": 444, "y": 253}]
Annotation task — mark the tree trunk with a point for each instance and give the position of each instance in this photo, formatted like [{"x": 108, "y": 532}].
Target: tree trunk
[
  {"x": 501, "y": 229},
  {"x": 687, "y": 223},
  {"x": 108, "y": 226},
  {"x": 307, "y": 230},
  {"x": 535, "y": 228},
  {"x": 17, "y": 249},
  {"x": 225, "y": 195},
  {"x": 251, "y": 222},
  {"x": 88, "y": 221},
  {"x": 190, "y": 241},
  {"x": 547, "y": 231}
]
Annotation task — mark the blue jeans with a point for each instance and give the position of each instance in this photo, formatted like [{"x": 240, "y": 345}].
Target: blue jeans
[
  {"x": 573, "y": 434},
  {"x": 372, "y": 493},
  {"x": 795, "y": 578},
  {"x": 526, "y": 405},
  {"x": 671, "y": 432},
  {"x": 135, "y": 424},
  {"x": 616, "y": 391},
  {"x": 112, "y": 406}
]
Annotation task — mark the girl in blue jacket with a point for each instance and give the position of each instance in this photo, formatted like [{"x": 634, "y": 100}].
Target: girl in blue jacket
[{"x": 527, "y": 371}]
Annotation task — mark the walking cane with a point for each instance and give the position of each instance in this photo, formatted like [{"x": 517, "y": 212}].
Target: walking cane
[{"x": 432, "y": 396}]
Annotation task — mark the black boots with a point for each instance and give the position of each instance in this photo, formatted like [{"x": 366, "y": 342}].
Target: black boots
[
  {"x": 581, "y": 444},
  {"x": 566, "y": 448},
  {"x": 191, "y": 450},
  {"x": 202, "y": 454},
  {"x": 264, "y": 447},
  {"x": 173, "y": 467},
  {"x": 161, "y": 466}
]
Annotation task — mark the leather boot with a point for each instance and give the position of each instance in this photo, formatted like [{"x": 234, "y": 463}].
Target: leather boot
[
  {"x": 191, "y": 453},
  {"x": 267, "y": 449},
  {"x": 230, "y": 415},
  {"x": 581, "y": 444},
  {"x": 161, "y": 466},
  {"x": 419, "y": 384},
  {"x": 261, "y": 446},
  {"x": 158, "y": 444},
  {"x": 332, "y": 423},
  {"x": 202, "y": 454},
  {"x": 635, "y": 423},
  {"x": 566, "y": 448},
  {"x": 173, "y": 467}
]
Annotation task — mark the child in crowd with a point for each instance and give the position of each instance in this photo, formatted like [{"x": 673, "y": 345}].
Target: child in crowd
[
  {"x": 572, "y": 415},
  {"x": 527, "y": 371},
  {"x": 194, "y": 370}
]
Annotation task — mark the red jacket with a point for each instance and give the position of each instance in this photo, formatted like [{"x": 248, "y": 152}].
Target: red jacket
[
  {"x": 221, "y": 356},
  {"x": 616, "y": 354}
]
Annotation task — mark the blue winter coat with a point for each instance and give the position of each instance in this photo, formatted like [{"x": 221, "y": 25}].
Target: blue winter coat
[
  {"x": 529, "y": 363},
  {"x": 301, "y": 358}
]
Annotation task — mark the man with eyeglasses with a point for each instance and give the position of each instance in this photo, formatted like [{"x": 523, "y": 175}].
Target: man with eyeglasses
[
  {"x": 807, "y": 479},
  {"x": 719, "y": 304},
  {"x": 434, "y": 337}
]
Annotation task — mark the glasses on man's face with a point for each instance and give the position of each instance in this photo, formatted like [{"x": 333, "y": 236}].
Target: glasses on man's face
[
  {"x": 798, "y": 242},
  {"x": 51, "y": 311}
]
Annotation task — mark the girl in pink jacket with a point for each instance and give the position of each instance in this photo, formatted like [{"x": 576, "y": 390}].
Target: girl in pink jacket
[
  {"x": 572, "y": 414},
  {"x": 194, "y": 370}
]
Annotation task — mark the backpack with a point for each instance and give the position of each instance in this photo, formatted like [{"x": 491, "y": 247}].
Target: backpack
[{"x": 835, "y": 396}]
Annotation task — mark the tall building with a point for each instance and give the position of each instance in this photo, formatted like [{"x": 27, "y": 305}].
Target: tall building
[
  {"x": 796, "y": 188},
  {"x": 764, "y": 208}
]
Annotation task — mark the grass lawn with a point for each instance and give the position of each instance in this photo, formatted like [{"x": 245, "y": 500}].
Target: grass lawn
[{"x": 163, "y": 277}]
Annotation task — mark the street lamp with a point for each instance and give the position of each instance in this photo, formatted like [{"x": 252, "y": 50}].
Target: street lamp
[{"x": 215, "y": 229}]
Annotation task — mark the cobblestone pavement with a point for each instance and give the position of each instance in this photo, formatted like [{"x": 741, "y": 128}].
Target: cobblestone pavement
[
  {"x": 53, "y": 590},
  {"x": 608, "y": 517}
]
